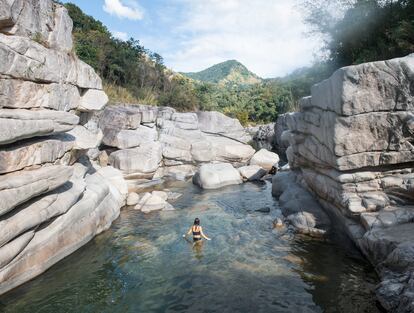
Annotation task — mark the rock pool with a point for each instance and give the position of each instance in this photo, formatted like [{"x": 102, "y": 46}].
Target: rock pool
[{"x": 142, "y": 264}]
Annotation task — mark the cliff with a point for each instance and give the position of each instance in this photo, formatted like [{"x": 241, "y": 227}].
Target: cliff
[
  {"x": 352, "y": 146},
  {"x": 50, "y": 204}
]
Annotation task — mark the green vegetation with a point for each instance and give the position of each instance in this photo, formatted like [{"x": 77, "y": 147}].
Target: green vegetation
[
  {"x": 367, "y": 30},
  {"x": 226, "y": 73},
  {"x": 133, "y": 74}
]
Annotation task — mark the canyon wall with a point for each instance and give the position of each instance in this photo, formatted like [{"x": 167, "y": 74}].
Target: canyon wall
[
  {"x": 352, "y": 146},
  {"x": 50, "y": 204}
]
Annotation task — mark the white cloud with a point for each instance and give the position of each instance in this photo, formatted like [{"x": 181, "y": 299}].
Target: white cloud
[
  {"x": 269, "y": 37},
  {"x": 124, "y": 9},
  {"x": 120, "y": 35}
]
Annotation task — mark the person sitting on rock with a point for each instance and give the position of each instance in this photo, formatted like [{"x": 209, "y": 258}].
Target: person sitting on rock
[{"x": 197, "y": 231}]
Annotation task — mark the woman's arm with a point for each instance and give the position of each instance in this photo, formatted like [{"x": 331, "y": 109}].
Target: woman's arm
[
  {"x": 203, "y": 235},
  {"x": 189, "y": 232}
]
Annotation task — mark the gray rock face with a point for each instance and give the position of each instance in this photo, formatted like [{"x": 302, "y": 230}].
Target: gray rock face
[
  {"x": 138, "y": 162},
  {"x": 17, "y": 188},
  {"x": 47, "y": 210},
  {"x": 214, "y": 176},
  {"x": 34, "y": 152},
  {"x": 20, "y": 94},
  {"x": 21, "y": 124},
  {"x": 352, "y": 144},
  {"x": 219, "y": 124}
]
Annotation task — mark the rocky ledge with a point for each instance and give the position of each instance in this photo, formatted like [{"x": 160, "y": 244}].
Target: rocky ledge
[
  {"x": 352, "y": 147},
  {"x": 50, "y": 204}
]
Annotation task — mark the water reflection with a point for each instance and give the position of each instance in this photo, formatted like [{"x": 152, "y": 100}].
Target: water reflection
[{"x": 142, "y": 264}]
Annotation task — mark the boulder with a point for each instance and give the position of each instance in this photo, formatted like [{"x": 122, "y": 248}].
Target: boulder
[
  {"x": 19, "y": 187},
  {"x": 127, "y": 138},
  {"x": 93, "y": 100},
  {"x": 119, "y": 117},
  {"x": 153, "y": 202},
  {"x": 86, "y": 139},
  {"x": 133, "y": 199},
  {"x": 252, "y": 172},
  {"x": 218, "y": 124},
  {"x": 213, "y": 176},
  {"x": 229, "y": 150},
  {"x": 265, "y": 159},
  {"x": 142, "y": 161},
  {"x": 118, "y": 187},
  {"x": 20, "y": 124},
  {"x": 35, "y": 152},
  {"x": 177, "y": 172}
]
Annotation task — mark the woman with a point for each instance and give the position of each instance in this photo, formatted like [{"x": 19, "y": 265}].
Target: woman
[{"x": 197, "y": 231}]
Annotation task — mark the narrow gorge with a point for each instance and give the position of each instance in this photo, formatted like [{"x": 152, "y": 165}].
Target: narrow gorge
[{"x": 311, "y": 213}]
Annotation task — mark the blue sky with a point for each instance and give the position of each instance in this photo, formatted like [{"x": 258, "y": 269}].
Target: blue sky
[{"x": 268, "y": 36}]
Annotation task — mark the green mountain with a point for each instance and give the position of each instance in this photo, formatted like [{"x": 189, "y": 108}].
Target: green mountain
[{"x": 225, "y": 73}]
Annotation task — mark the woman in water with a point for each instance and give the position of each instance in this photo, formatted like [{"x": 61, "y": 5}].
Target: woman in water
[{"x": 197, "y": 231}]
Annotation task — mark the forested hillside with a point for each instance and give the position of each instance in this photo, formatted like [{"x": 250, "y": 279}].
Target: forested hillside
[{"x": 227, "y": 73}]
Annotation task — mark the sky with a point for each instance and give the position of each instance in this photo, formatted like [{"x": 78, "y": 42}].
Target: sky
[{"x": 267, "y": 36}]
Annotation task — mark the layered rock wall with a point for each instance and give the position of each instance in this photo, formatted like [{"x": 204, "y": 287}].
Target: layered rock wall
[
  {"x": 155, "y": 142},
  {"x": 352, "y": 144},
  {"x": 49, "y": 204}
]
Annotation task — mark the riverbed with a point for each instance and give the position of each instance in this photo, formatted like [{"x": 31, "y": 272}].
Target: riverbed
[{"x": 142, "y": 264}]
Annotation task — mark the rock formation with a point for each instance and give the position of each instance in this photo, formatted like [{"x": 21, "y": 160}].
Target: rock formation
[
  {"x": 158, "y": 142},
  {"x": 352, "y": 145},
  {"x": 49, "y": 204}
]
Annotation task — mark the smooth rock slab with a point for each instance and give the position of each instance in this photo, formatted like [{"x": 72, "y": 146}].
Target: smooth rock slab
[
  {"x": 143, "y": 160},
  {"x": 21, "y": 124},
  {"x": 90, "y": 216},
  {"x": 214, "y": 176},
  {"x": 219, "y": 124},
  {"x": 9, "y": 251},
  {"x": 34, "y": 152},
  {"x": 154, "y": 201},
  {"x": 17, "y": 188},
  {"x": 229, "y": 150},
  {"x": 265, "y": 159},
  {"x": 40, "y": 210}
]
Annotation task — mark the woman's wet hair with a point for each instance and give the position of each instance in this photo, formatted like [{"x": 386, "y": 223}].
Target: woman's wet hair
[{"x": 197, "y": 221}]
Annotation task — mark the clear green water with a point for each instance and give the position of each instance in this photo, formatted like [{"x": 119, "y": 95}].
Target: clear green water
[{"x": 142, "y": 264}]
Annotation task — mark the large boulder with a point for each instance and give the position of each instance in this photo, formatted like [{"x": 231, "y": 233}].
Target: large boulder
[
  {"x": 138, "y": 162},
  {"x": 218, "y": 124},
  {"x": 214, "y": 176},
  {"x": 265, "y": 159}
]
